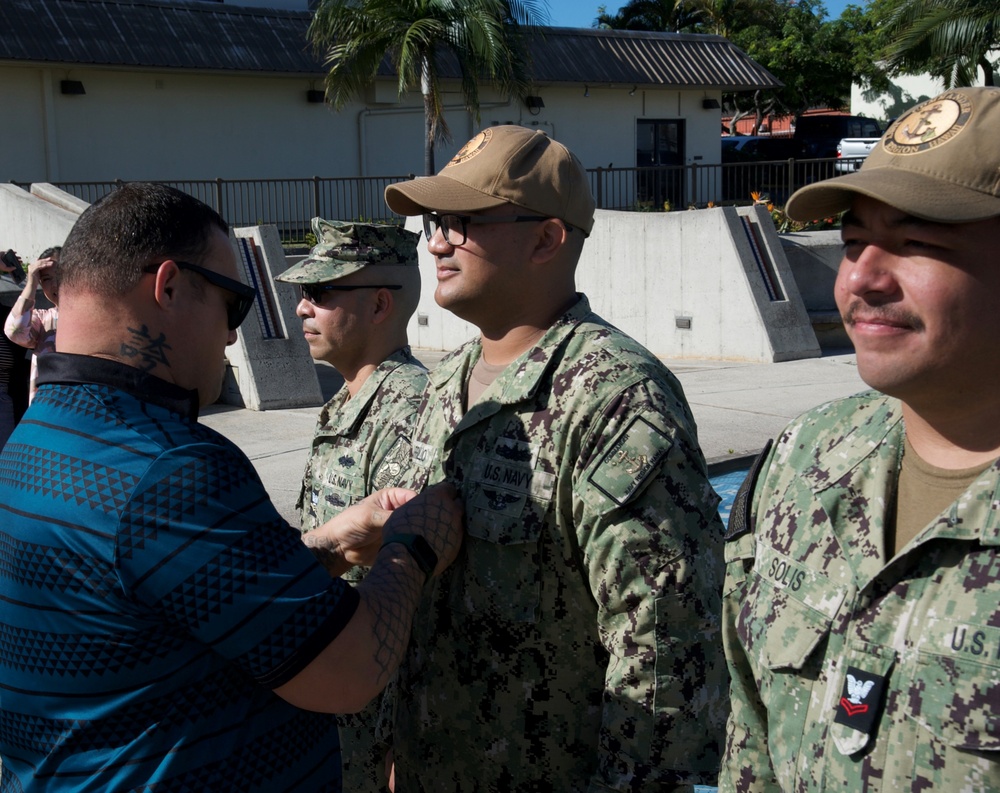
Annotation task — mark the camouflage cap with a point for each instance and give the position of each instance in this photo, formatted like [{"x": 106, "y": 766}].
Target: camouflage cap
[
  {"x": 939, "y": 161},
  {"x": 506, "y": 164},
  {"x": 345, "y": 248}
]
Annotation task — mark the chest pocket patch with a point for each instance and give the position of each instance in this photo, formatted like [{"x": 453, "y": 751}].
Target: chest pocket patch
[{"x": 632, "y": 459}]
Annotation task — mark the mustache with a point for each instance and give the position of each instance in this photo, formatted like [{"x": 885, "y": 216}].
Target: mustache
[{"x": 888, "y": 313}]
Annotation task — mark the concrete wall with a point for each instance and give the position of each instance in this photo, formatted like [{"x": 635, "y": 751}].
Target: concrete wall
[
  {"x": 814, "y": 258},
  {"x": 650, "y": 273},
  {"x": 642, "y": 271},
  {"x": 32, "y": 222},
  {"x": 270, "y": 367}
]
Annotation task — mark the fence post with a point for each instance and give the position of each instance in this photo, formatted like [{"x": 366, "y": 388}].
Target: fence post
[
  {"x": 791, "y": 178},
  {"x": 316, "y": 213},
  {"x": 218, "y": 194},
  {"x": 599, "y": 197}
]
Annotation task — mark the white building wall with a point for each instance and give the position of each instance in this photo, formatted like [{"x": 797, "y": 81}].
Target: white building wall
[
  {"x": 173, "y": 125},
  {"x": 913, "y": 88}
]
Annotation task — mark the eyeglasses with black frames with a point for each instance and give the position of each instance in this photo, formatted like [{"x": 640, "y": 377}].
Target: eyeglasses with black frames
[
  {"x": 243, "y": 296},
  {"x": 455, "y": 227},
  {"x": 316, "y": 293}
]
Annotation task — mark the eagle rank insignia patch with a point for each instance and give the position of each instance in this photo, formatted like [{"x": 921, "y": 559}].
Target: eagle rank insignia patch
[{"x": 861, "y": 700}]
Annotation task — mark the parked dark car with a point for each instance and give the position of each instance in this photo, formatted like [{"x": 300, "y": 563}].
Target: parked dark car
[
  {"x": 754, "y": 148},
  {"x": 817, "y": 136},
  {"x": 755, "y": 164}
]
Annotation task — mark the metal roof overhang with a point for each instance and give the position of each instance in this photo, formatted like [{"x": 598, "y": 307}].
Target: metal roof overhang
[{"x": 201, "y": 36}]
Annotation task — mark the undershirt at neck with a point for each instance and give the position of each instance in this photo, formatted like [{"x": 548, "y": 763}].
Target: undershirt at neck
[
  {"x": 924, "y": 490},
  {"x": 482, "y": 376}
]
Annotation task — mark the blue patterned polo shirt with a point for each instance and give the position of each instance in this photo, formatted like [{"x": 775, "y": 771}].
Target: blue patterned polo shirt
[{"x": 150, "y": 599}]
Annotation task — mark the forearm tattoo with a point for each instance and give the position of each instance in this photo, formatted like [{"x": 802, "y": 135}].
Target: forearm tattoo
[
  {"x": 393, "y": 587},
  {"x": 148, "y": 350},
  {"x": 326, "y": 552}
]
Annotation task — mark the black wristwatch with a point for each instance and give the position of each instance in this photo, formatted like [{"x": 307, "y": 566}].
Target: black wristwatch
[{"x": 419, "y": 549}]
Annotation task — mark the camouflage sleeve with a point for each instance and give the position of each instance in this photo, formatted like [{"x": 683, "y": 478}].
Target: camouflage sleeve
[
  {"x": 391, "y": 453},
  {"x": 746, "y": 763},
  {"x": 650, "y": 538}
]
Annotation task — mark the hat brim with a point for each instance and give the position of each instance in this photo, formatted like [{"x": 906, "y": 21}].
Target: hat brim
[
  {"x": 437, "y": 194},
  {"x": 922, "y": 196},
  {"x": 300, "y": 273}
]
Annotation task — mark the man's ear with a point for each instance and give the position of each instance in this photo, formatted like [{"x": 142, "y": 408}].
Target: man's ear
[
  {"x": 549, "y": 240},
  {"x": 384, "y": 302},
  {"x": 165, "y": 282}
]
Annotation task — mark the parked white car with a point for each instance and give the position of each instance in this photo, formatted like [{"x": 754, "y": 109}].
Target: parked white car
[{"x": 851, "y": 153}]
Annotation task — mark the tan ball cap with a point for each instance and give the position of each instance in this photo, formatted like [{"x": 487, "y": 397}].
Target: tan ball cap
[
  {"x": 503, "y": 165},
  {"x": 939, "y": 161}
]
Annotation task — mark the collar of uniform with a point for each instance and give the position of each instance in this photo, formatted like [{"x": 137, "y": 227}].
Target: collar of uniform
[
  {"x": 341, "y": 416},
  {"x": 520, "y": 379},
  {"x": 839, "y": 465},
  {"x": 859, "y": 442},
  {"x": 991, "y": 528},
  {"x": 68, "y": 369}
]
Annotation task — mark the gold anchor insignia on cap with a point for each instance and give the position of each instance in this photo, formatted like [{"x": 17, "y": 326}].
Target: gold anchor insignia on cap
[
  {"x": 929, "y": 125},
  {"x": 473, "y": 147}
]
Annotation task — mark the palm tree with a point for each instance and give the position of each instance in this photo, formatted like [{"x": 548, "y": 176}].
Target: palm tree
[
  {"x": 661, "y": 15},
  {"x": 484, "y": 37},
  {"x": 949, "y": 38}
]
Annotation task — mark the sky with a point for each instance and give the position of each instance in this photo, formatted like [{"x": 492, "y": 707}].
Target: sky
[{"x": 581, "y": 13}]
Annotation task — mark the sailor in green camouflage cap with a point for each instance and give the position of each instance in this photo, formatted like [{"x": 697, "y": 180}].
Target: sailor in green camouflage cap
[
  {"x": 862, "y": 599},
  {"x": 359, "y": 287}
]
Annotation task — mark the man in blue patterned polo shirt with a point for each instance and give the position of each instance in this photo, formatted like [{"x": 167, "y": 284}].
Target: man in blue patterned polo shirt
[{"x": 160, "y": 625}]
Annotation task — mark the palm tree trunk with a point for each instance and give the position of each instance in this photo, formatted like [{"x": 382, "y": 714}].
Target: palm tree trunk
[
  {"x": 987, "y": 68},
  {"x": 425, "y": 89}
]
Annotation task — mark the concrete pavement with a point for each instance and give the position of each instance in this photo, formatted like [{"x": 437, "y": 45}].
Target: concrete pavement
[{"x": 737, "y": 407}]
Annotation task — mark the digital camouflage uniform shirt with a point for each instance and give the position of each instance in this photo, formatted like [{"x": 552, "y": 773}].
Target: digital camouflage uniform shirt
[
  {"x": 853, "y": 672},
  {"x": 574, "y": 645},
  {"x": 361, "y": 445}
]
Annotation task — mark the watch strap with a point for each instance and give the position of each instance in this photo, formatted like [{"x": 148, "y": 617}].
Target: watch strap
[{"x": 418, "y": 548}]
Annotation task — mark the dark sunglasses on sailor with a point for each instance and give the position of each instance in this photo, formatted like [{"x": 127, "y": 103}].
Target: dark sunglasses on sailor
[
  {"x": 455, "y": 228},
  {"x": 243, "y": 296},
  {"x": 316, "y": 293}
]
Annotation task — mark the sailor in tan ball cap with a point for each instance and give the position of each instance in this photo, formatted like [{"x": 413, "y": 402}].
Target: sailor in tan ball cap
[
  {"x": 577, "y": 646},
  {"x": 863, "y": 586}
]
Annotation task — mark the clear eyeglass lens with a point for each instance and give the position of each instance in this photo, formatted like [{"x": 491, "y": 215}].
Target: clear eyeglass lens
[{"x": 452, "y": 228}]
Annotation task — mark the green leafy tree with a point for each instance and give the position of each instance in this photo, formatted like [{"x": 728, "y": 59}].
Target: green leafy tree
[
  {"x": 484, "y": 37},
  {"x": 793, "y": 39},
  {"x": 662, "y": 15},
  {"x": 949, "y": 39},
  {"x": 810, "y": 55}
]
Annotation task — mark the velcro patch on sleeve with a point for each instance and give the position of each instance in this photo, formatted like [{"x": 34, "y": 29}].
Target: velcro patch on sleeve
[
  {"x": 632, "y": 459},
  {"x": 741, "y": 513}
]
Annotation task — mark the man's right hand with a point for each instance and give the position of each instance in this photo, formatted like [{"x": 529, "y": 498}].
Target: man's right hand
[{"x": 437, "y": 515}]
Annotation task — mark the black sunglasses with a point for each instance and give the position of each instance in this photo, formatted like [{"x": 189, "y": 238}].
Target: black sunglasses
[
  {"x": 455, "y": 228},
  {"x": 237, "y": 309},
  {"x": 314, "y": 292}
]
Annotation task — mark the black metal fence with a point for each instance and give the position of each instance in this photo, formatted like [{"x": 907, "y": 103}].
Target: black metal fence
[
  {"x": 678, "y": 187},
  {"x": 290, "y": 204}
]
